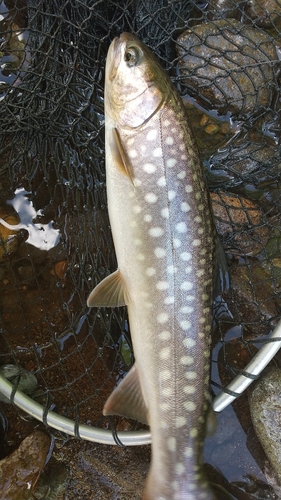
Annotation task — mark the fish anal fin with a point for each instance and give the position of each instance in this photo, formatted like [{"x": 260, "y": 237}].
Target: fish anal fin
[
  {"x": 110, "y": 292},
  {"x": 120, "y": 156},
  {"x": 127, "y": 400}
]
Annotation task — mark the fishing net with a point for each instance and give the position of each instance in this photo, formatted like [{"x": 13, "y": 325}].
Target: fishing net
[{"x": 52, "y": 183}]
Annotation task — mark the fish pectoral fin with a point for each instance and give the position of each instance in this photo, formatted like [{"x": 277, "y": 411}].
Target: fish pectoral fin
[
  {"x": 120, "y": 156},
  {"x": 110, "y": 292},
  {"x": 127, "y": 400}
]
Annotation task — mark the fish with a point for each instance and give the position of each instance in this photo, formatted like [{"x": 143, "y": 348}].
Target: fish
[{"x": 164, "y": 239}]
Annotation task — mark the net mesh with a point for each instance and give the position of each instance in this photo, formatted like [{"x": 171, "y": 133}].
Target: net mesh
[{"x": 52, "y": 181}]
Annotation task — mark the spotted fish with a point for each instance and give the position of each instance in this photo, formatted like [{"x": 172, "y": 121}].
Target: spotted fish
[{"x": 164, "y": 240}]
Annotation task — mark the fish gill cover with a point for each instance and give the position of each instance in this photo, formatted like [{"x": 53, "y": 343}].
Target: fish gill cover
[{"x": 56, "y": 243}]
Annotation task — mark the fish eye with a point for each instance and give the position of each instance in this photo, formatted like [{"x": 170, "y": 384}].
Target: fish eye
[{"x": 132, "y": 56}]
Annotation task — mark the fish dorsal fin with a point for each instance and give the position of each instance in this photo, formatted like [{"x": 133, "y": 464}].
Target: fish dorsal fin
[
  {"x": 120, "y": 156},
  {"x": 110, "y": 292},
  {"x": 127, "y": 400}
]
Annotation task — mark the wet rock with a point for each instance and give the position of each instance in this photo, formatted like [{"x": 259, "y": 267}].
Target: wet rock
[
  {"x": 218, "y": 9},
  {"x": 251, "y": 300},
  {"x": 52, "y": 484},
  {"x": 265, "y": 406},
  {"x": 245, "y": 160},
  {"x": 229, "y": 65},
  {"x": 22, "y": 379},
  {"x": 240, "y": 222},
  {"x": 265, "y": 14},
  {"x": 19, "y": 471}
]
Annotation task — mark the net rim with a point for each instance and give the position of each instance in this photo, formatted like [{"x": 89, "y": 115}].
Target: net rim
[{"x": 143, "y": 437}]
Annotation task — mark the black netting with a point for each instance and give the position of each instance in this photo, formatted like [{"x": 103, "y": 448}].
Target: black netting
[{"x": 52, "y": 180}]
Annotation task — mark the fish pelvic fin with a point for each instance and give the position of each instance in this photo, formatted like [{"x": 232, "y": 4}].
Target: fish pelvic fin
[
  {"x": 110, "y": 292},
  {"x": 120, "y": 156},
  {"x": 127, "y": 400}
]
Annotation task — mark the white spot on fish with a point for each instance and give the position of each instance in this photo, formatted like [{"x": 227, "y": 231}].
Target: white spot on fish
[
  {"x": 187, "y": 342},
  {"x": 162, "y": 318},
  {"x": 202, "y": 320},
  {"x": 130, "y": 141},
  {"x": 157, "y": 153},
  {"x": 160, "y": 252},
  {"x": 140, "y": 256},
  {"x": 200, "y": 230},
  {"x": 180, "y": 421},
  {"x": 137, "y": 242},
  {"x": 185, "y": 325},
  {"x": 198, "y": 218},
  {"x": 165, "y": 375},
  {"x": 171, "y": 195},
  {"x": 176, "y": 243},
  {"x": 151, "y": 197},
  {"x": 186, "y": 285},
  {"x": 185, "y": 206},
  {"x": 147, "y": 218},
  {"x": 186, "y": 360},
  {"x": 188, "y": 188},
  {"x": 171, "y": 162},
  {"x": 189, "y": 298},
  {"x": 188, "y": 269},
  {"x": 165, "y": 353},
  {"x": 149, "y": 168},
  {"x": 137, "y": 182},
  {"x": 156, "y": 232},
  {"x": 193, "y": 433},
  {"x": 165, "y": 335},
  {"x": 181, "y": 227},
  {"x": 183, "y": 157},
  {"x": 200, "y": 273},
  {"x": 169, "y": 300},
  {"x": 190, "y": 405},
  {"x": 196, "y": 243},
  {"x": 166, "y": 391},
  {"x": 185, "y": 256},
  {"x": 169, "y": 140},
  {"x": 186, "y": 309},
  {"x": 166, "y": 123},
  {"x": 205, "y": 296},
  {"x": 132, "y": 153},
  {"x": 165, "y": 212},
  {"x": 171, "y": 269},
  {"x": 179, "y": 468},
  {"x": 161, "y": 181},
  {"x": 188, "y": 452},
  {"x": 151, "y": 135},
  {"x": 172, "y": 443},
  {"x": 150, "y": 271},
  {"x": 181, "y": 175},
  {"x": 182, "y": 146},
  {"x": 191, "y": 375},
  {"x": 162, "y": 285}
]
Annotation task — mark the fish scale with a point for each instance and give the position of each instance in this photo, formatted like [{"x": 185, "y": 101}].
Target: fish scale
[{"x": 164, "y": 241}]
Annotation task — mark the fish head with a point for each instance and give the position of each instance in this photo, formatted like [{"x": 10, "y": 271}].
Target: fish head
[{"x": 134, "y": 85}]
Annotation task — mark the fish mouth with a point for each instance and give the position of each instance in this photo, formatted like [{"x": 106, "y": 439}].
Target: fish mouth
[{"x": 114, "y": 57}]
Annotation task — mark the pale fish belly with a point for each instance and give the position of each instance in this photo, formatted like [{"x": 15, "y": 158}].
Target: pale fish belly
[{"x": 164, "y": 242}]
